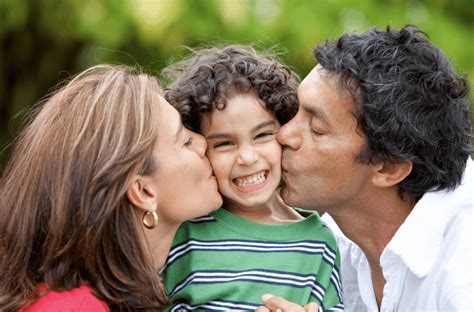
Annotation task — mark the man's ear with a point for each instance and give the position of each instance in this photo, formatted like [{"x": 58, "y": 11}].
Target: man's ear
[
  {"x": 390, "y": 174},
  {"x": 142, "y": 194}
]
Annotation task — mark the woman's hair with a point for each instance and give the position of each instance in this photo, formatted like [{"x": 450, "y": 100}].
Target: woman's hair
[
  {"x": 207, "y": 79},
  {"x": 64, "y": 216}
]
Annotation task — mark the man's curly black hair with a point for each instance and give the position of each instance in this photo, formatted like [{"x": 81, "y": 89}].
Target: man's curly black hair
[
  {"x": 410, "y": 103},
  {"x": 206, "y": 80}
]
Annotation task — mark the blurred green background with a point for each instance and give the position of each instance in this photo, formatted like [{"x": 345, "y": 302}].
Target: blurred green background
[{"x": 44, "y": 42}]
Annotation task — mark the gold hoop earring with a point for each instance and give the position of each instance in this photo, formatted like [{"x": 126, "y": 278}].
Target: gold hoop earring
[{"x": 150, "y": 224}]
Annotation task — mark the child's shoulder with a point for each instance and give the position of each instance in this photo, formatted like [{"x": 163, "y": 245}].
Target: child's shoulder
[
  {"x": 306, "y": 213},
  {"x": 198, "y": 222},
  {"x": 319, "y": 228},
  {"x": 197, "y": 228}
]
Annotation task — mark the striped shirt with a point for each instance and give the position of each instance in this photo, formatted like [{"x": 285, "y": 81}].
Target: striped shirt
[{"x": 222, "y": 262}]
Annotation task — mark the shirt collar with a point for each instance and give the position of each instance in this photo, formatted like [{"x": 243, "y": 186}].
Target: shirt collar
[{"x": 418, "y": 240}]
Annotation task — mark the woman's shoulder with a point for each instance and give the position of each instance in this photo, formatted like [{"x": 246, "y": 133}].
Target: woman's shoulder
[{"x": 76, "y": 299}]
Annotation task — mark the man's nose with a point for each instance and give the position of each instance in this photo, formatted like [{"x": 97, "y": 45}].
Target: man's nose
[{"x": 290, "y": 135}]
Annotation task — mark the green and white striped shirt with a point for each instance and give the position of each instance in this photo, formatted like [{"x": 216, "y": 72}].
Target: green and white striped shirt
[{"x": 224, "y": 262}]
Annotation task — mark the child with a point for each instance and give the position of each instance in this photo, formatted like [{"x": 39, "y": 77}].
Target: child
[{"x": 255, "y": 243}]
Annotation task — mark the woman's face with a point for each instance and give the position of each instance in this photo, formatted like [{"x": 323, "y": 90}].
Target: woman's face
[{"x": 184, "y": 180}]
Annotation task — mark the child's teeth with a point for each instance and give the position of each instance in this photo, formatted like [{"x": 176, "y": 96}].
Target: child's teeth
[{"x": 251, "y": 180}]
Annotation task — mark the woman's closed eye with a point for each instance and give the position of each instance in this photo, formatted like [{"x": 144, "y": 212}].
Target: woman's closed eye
[{"x": 188, "y": 142}]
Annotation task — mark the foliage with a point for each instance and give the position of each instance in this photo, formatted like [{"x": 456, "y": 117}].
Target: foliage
[{"x": 46, "y": 41}]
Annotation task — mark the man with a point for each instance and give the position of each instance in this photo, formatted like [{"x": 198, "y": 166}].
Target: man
[{"x": 381, "y": 143}]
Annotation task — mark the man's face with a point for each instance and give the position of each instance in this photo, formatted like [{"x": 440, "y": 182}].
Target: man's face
[{"x": 320, "y": 171}]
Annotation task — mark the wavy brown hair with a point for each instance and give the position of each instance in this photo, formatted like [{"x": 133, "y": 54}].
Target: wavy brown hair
[
  {"x": 65, "y": 219},
  {"x": 204, "y": 81}
]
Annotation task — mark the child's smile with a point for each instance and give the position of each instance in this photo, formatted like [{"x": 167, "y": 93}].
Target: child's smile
[
  {"x": 253, "y": 182},
  {"x": 243, "y": 151}
]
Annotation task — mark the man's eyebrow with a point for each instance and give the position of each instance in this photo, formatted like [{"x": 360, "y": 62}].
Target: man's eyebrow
[{"x": 318, "y": 114}]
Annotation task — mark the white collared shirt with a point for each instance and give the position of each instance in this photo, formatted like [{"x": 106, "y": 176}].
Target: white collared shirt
[{"x": 427, "y": 265}]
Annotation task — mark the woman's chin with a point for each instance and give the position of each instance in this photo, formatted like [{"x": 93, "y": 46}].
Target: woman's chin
[{"x": 218, "y": 204}]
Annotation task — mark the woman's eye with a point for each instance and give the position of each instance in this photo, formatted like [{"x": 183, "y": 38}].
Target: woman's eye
[
  {"x": 263, "y": 134},
  {"x": 188, "y": 142}
]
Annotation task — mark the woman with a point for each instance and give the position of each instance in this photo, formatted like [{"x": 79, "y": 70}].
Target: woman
[{"x": 96, "y": 186}]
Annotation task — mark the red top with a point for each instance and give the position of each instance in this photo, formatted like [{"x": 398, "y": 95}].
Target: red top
[{"x": 77, "y": 300}]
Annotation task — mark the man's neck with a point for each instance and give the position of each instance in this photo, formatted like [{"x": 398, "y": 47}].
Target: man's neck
[{"x": 371, "y": 224}]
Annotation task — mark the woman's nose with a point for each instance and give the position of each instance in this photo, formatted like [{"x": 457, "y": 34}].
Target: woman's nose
[{"x": 200, "y": 144}]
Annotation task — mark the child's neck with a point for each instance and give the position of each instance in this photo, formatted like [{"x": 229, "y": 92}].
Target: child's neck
[{"x": 274, "y": 211}]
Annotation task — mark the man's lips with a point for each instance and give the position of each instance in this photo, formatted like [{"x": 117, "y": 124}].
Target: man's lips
[{"x": 285, "y": 174}]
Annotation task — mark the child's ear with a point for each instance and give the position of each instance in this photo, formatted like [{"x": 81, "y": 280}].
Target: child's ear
[
  {"x": 389, "y": 174},
  {"x": 142, "y": 194}
]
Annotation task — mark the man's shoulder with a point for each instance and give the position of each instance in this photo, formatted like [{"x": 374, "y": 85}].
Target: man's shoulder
[
  {"x": 458, "y": 244},
  {"x": 342, "y": 241}
]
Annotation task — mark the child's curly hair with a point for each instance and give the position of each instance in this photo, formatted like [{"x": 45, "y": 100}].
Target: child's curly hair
[{"x": 207, "y": 79}]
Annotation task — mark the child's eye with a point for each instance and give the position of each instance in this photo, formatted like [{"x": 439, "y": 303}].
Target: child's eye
[
  {"x": 263, "y": 134},
  {"x": 222, "y": 144}
]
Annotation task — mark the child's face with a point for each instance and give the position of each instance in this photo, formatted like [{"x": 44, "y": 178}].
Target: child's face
[{"x": 243, "y": 150}]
